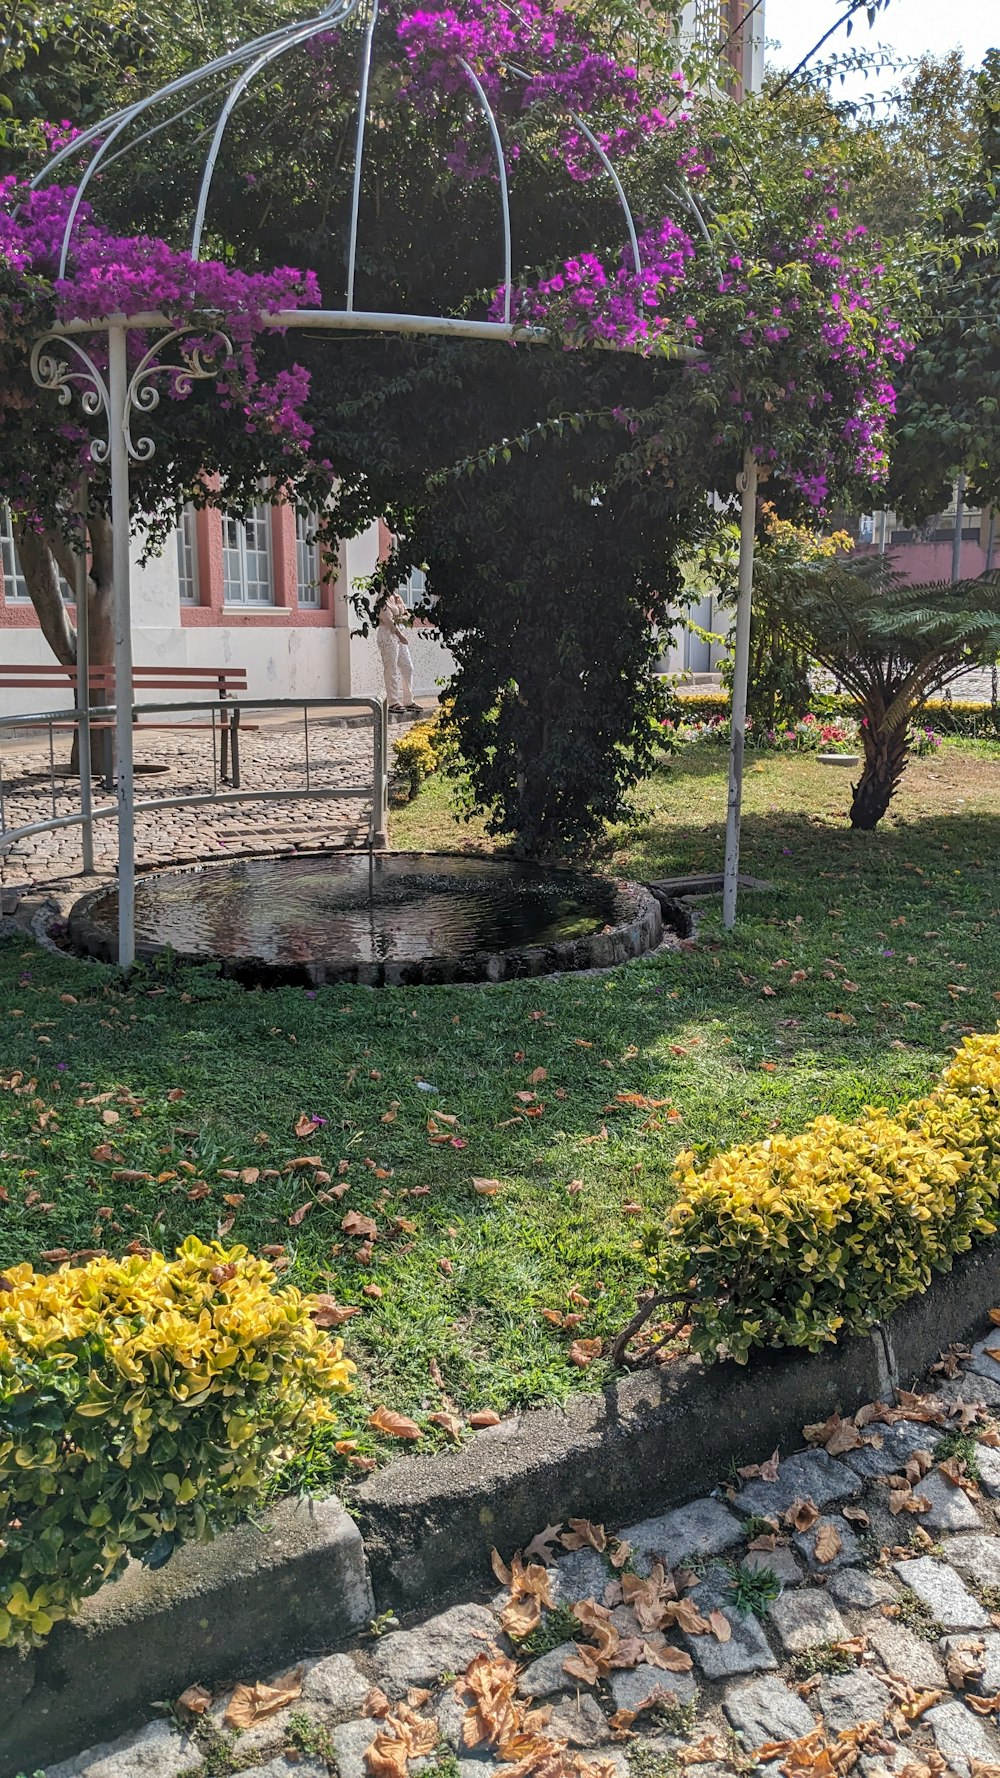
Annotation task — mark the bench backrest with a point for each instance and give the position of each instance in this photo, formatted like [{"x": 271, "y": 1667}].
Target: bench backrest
[{"x": 216, "y": 681}]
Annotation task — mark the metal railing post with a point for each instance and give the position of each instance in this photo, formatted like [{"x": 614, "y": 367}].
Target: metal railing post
[
  {"x": 741, "y": 674},
  {"x": 124, "y": 690},
  {"x": 380, "y": 799}
]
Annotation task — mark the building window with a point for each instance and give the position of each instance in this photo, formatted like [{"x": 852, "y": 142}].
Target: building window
[
  {"x": 413, "y": 591},
  {"x": 15, "y": 587},
  {"x": 187, "y": 556},
  {"x": 308, "y": 566},
  {"x": 14, "y": 584},
  {"x": 246, "y": 558}
]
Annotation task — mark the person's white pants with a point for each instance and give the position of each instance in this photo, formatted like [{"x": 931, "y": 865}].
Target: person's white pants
[{"x": 397, "y": 666}]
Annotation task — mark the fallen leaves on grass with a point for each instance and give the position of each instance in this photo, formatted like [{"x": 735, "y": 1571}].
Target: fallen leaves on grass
[
  {"x": 487, "y": 1188},
  {"x": 394, "y": 1425},
  {"x": 583, "y": 1352}
]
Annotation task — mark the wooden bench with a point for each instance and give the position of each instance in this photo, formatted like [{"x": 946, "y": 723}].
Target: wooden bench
[{"x": 221, "y": 682}]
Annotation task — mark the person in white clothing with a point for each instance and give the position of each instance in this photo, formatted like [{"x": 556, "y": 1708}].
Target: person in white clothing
[{"x": 397, "y": 662}]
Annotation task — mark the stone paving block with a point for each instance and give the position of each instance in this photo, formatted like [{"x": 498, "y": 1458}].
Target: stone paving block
[
  {"x": 580, "y": 1574},
  {"x": 546, "y": 1675},
  {"x": 337, "y": 1683},
  {"x": 985, "y": 1645},
  {"x": 982, "y": 1366},
  {"x": 945, "y": 1596},
  {"x": 846, "y": 1699},
  {"x": 446, "y": 1643},
  {"x": 989, "y": 1469},
  {"x": 978, "y": 1557},
  {"x": 780, "y": 1561},
  {"x": 970, "y": 1387},
  {"x": 631, "y": 1685},
  {"x": 960, "y": 1736},
  {"x": 747, "y": 1651},
  {"x": 903, "y": 1653},
  {"x": 581, "y": 1721},
  {"x": 809, "y": 1475},
  {"x": 351, "y": 1742},
  {"x": 897, "y": 1447},
  {"x": 766, "y": 1710},
  {"x": 847, "y": 1556},
  {"x": 859, "y": 1590},
  {"x": 805, "y": 1619},
  {"x": 951, "y": 1508},
  {"x": 157, "y": 1751},
  {"x": 703, "y": 1528}
]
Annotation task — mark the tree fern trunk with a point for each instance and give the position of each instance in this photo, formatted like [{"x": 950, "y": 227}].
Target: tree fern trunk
[{"x": 886, "y": 754}]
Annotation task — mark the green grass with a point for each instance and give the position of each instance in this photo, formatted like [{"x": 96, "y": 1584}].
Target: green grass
[{"x": 898, "y": 931}]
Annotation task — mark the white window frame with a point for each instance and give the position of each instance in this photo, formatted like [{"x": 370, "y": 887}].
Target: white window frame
[
  {"x": 187, "y": 557},
  {"x": 240, "y": 556},
  {"x": 15, "y": 587},
  {"x": 308, "y": 562},
  {"x": 413, "y": 590}
]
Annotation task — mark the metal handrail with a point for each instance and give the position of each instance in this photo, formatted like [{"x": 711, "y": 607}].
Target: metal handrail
[{"x": 377, "y": 791}]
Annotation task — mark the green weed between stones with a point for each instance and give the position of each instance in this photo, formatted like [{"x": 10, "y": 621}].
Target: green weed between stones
[
  {"x": 964, "y": 1446},
  {"x": 912, "y": 1612},
  {"x": 558, "y": 1625},
  {"x": 826, "y": 1657},
  {"x": 752, "y": 1590},
  {"x": 307, "y": 1736}
]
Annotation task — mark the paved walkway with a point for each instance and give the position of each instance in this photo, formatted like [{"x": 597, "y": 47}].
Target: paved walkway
[
  {"x": 837, "y": 1610},
  {"x": 272, "y": 758}
]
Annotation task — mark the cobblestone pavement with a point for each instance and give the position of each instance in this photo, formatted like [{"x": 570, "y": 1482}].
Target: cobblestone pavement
[
  {"x": 837, "y": 1610},
  {"x": 272, "y": 758}
]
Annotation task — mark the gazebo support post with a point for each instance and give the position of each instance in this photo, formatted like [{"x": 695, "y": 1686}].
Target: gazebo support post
[
  {"x": 747, "y": 485},
  {"x": 121, "y": 567},
  {"x": 81, "y": 592}
]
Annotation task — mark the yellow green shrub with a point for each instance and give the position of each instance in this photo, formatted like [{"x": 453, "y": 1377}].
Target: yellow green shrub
[
  {"x": 418, "y": 754},
  {"x": 142, "y": 1401},
  {"x": 798, "y": 1239}
]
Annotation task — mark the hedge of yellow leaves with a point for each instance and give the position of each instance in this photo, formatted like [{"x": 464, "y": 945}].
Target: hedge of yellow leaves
[
  {"x": 142, "y": 1401},
  {"x": 798, "y": 1239}
]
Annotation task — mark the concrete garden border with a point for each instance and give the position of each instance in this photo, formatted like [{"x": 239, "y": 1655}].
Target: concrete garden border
[{"x": 302, "y": 1580}]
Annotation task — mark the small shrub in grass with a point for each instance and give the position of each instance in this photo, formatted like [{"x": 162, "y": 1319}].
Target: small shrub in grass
[
  {"x": 798, "y": 1239},
  {"x": 418, "y": 754},
  {"x": 142, "y": 1402}
]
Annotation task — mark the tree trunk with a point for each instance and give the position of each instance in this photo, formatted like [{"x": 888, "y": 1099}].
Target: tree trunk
[
  {"x": 42, "y": 554},
  {"x": 886, "y": 753}
]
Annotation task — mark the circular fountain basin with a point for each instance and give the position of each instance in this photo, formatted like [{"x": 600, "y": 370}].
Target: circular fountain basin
[{"x": 386, "y": 919}]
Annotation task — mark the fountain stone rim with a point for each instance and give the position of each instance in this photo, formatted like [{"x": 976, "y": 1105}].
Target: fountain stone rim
[{"x": 636, "y": 928}]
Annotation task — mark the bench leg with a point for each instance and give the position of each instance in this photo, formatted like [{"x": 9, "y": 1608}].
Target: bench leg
[
  {"x": 224, "y": 745},
  {"x": 235, "y": 735}
]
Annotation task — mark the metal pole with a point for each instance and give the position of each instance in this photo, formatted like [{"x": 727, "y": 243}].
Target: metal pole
[
  {"x": 747, "y": 485},
  {"x": 83, "y": 688},
  {"x": 956, "y": 542},
  {"x": 124, "y": 692}
]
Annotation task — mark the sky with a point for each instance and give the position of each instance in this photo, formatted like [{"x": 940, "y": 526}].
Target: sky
[{"x": 912, "y": 27}]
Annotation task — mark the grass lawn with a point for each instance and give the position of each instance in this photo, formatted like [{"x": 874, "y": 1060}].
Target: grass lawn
[{"x": 898, "y": 933}]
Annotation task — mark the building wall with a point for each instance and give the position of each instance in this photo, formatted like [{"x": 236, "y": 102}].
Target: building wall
[{"x": 289, "y": 650}]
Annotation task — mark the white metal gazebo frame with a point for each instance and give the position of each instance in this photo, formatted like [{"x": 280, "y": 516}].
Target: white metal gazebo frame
[{"x": 120, "y": 395}]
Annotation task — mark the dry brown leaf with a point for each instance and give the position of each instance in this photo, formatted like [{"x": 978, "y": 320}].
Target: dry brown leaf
[
  {"x": 417, "y": 1695},
  {"x": 452, "y": 1424},
  {"x": 583, "y": 1352},
  {"x": 722, "y": 1629},
  {"x": 254, "y": 1703},
  {"x": 845, "y": 1437},
  {"x": 801, "y": 1515},
  {"x": 542, "y": 1544},
  {"x": 304, "y": 1125},
  {"x": 983, "y": 1706},
  {"x": 685, "y": 1614},
  {"x": 584, "y": 1535},
  {"x": 195, "y": 1700},
  {"x": 363, "y": 1226},
  {"x": 521, "y": 1616},
  {"x": 769, "y": 1470},
  {"x": 619, "y": 1554},
  {"x": 537, "y": 1075},
  {"x": 326, "y": 1312},
  {"x": 710, "y": 1748},
  {"x": 487, "y": 1188},
  {"x": 983, "y": 1768},
  {"x": 484, "y": 1417},
  {"x": 376, "y": 1703},
  {"x": 964, "y": 1662},
  {"x": 394, "y": 1425},
  {"x": 856, "y": 1514},
  {"x": 828, "y": 1542}
]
